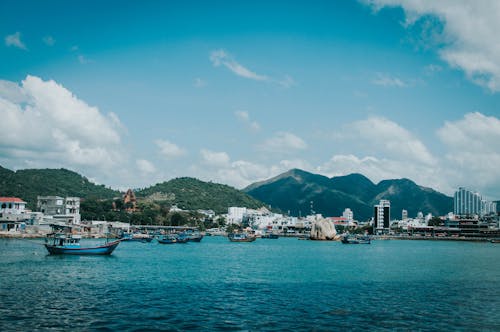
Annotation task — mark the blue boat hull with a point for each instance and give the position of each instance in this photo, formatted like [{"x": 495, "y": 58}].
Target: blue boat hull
[{"x": 106, "y": 249}]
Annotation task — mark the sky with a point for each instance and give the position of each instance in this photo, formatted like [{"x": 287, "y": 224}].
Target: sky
[{"x": 132, "y": 93}]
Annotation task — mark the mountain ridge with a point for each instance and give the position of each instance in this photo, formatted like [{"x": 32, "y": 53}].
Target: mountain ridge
[{"x": 295, "y": 189}]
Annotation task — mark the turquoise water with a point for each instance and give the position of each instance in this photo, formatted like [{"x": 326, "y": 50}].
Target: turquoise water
[{"x": 266, "y": 285}]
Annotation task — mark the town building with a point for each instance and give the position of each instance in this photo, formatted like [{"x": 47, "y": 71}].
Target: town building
[
  {"x": 63, "y": 209},
  {"x": 468, "y": 203},
  {"x": 404, "y": 215},
  {"x": 348, "y": 215},
  {"x": 382, "y": 216},
  {"x": 235, "y": 214},
  {"x": 11, "y": 206}
]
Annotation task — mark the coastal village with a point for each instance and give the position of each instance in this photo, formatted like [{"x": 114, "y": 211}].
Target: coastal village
[{"x": 473, "y": 218}]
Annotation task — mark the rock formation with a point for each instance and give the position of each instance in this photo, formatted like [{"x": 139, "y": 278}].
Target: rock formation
[{"x": 323, "y": 230}]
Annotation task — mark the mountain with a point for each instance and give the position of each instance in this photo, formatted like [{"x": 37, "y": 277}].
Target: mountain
[
  {"x": 192, "y": 194},
  {"x": 294, "y": 191},
  {"x": 27, "y": 184}
]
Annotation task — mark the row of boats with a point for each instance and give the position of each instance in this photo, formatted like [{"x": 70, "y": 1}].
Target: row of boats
[{"x": 69, "y": 244}]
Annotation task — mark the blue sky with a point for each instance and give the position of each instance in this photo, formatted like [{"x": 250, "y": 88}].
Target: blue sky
[{"x": 133, "y": 93}]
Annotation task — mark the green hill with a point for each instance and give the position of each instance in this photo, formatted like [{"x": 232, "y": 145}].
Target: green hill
[
  {"x": 27, "y": 184},
  {"x": 294, "y": 191},
  {"x": 192, "y": 194}
]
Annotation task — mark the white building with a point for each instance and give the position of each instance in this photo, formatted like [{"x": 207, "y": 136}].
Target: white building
[
  {"x": 382, "y": 215},
  {"x": 11, "y": 205},
  {"x": 235, "y": 214},
  {"x": 404, "y": 214},
  {"x": 348, "y": 215}
]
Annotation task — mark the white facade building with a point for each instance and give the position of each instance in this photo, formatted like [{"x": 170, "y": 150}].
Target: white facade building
[
  {"x": 348, "y": 215},
  {"x": 235, "y": 214},
  {"x": 404, "y": 214},
  {"x": 12, "y": 205}
]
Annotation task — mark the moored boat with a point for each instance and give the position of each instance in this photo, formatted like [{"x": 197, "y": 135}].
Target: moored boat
[
  {"x": 191, "y": 236},
  {"x": 270, "y": 236},
  {"x": 168, "y": 239},
  {"x": 241, "y": 237},
  {"x": 137, "y": 237},
  {"x": 69, "y": 244},
  {"x": 355, "y": 240}
]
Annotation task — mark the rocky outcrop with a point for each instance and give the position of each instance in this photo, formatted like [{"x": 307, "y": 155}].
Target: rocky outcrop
[{"x": 324, "y": 230}]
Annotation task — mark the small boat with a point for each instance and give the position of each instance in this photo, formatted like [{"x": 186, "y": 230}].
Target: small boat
[
  {"x": 270, "y": 236},
  {"x": 355, "y": 240},
  {"x": 241, "y": 237},
  {"x": 69, "y": 244},
  {"x": 495, "y": 240},
  {"x": 191, "y": 236},
  {"x": 168, "y": 239},
  {"x": 137, "y": 237}
]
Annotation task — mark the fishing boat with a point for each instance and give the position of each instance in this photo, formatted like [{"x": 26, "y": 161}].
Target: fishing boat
[
  {"x": 270, "y": 236},
  {"x": 241, "y": 237},
  {"x": 355, "y": 240},
  {"x": 191, "y": 236},
  {"x": 168, "y": 239},
  {"x": 69, "y": 244},
  {"x": 137, "y": 237}
]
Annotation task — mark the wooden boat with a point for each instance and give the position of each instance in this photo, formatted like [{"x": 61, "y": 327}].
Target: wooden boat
[
  {"x": 191, "y": 236},
  {"x": 270, "y": 236},
  {"x": 137, "y": 237},
  {"x": 168, "y": 239},
  {"x": 69, "y": 244},
  {"x": 355, "y": 240},
  {"x": 241, "y": 237}
]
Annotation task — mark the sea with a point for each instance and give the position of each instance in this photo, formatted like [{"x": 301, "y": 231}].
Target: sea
[{"x": 281, "y": 284}]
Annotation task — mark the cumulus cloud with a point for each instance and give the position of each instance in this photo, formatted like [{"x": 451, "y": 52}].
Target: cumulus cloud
[
  {"x": 15, "y": 41},
  {"x": 218, "y": 167},
  {"x": 469, "y": 30},
  {"x": 472, "y": 149},
  {"x": 216, "y": 159},
  {"x": 43, "y": 124},
  {"x": 145, "y": 166},
  {"x": 388, "y": 138},
  {"x": 244, "y": 117},
  {"x": 283, "y": 143},
  {"x": 169, "y": 150}
]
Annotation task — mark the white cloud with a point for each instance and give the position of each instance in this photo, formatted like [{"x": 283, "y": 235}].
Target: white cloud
[
  {"x": 283, "y": 142},
  {"x": 473, "y": 151},
  {"x": 145, "y": 166},
  {"x": 244, "y": 117},
  {"x": 378, "y": 169},
  {"x": 15, "y": 40},
  {"x": 388, "y": 138},
  {"x": 220, "y": 57},
  {"x": 389, "y": 81},
  {"x": 43, "y": 124},
  {"x": 215, "y": 159},
  {"x": 469, "y": 31},
  {"x": 169, "y": 150},
  {"x": 49, "y": 40}
]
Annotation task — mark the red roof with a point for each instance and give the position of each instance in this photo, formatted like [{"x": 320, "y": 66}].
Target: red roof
[{"x": 11, "y": 200}]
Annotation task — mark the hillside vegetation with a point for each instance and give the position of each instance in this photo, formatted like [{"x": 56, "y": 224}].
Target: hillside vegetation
[{"x": 27, "y": 184}]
